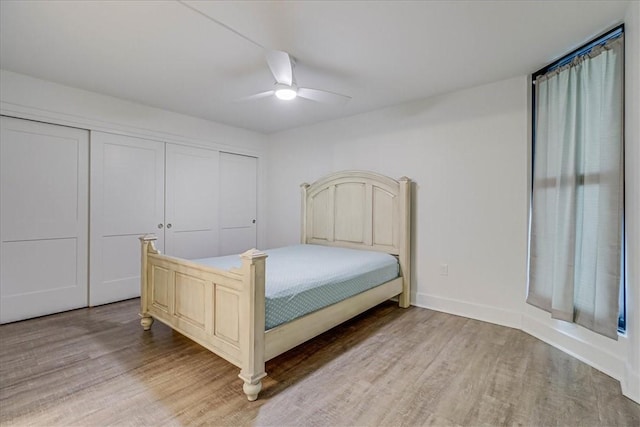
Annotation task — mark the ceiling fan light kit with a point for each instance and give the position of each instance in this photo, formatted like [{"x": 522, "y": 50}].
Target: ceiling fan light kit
[{"x": 286, "y": 93}]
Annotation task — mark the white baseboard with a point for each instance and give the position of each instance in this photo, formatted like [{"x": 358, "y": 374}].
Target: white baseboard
[
  {"x": 580, "y": 348},
  {"x": 576, "y": 345},
  {"x": 486, "y": 313},
  {"x": 630, "y": 384}
]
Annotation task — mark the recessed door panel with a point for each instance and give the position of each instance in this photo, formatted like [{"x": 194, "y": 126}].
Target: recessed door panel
[
  {"x": 44, "y": 218},
  {"x": 191, "y": 229},
  {"x": 132, "y": 197}
]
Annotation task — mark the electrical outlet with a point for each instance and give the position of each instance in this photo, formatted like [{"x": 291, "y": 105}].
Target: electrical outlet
[{"x": 444, "y": 269}]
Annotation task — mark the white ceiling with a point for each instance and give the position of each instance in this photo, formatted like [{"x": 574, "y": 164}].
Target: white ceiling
[{"x": 382, "y": 53}]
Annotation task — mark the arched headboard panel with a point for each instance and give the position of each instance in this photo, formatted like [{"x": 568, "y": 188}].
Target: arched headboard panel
[{"x": 360, "y": 210}]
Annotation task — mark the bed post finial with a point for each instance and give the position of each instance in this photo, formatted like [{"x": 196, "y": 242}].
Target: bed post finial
[
  {"x": 303, "y": 221},
  {"x": 148, "y": 247}
]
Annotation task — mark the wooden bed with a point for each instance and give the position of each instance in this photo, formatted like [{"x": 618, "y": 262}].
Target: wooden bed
[{"x": 224, "y": 310}]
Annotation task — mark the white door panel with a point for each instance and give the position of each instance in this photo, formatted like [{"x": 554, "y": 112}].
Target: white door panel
[
  {"x": 35, "y": 175},
  {"x": 191, "y": 229},
  {"x": 44, "y": 218},
  {"x": 237, "y": 240},
  {"x": 238, "y": 203},
  {"x": 121, "y": 273},
  {"x": 127, "y": 201},
  {"x": 193, "y": 244},
  {"x": 133, "y": 200},
  {"x": 56, "y": 266}
]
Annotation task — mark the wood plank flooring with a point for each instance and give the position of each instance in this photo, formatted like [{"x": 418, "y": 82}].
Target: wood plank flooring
[{"x": 95, "y": 367}]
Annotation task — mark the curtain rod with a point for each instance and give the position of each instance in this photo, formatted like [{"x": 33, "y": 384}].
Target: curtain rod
[{"x": 582, "y": 50}]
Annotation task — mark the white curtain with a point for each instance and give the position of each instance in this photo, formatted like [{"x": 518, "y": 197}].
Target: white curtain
[{"x": 576, "y": 223}]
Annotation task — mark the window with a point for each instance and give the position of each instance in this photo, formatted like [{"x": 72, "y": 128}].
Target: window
[{"x": 576, "y": 256}]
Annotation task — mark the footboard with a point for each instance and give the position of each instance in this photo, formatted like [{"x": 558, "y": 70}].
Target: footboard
[{"x": 222, "y": 310}]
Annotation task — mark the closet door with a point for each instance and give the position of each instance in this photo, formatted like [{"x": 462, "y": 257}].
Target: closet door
[
  {"x": 127, "y": 201},
  {"x": 238, "y": 201},
  {"x": 44, "y": 218},
  {"x": 191, "y": 229}
]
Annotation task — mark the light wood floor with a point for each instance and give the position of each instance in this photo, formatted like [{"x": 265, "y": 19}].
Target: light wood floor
[{"x": 387, "y": 367}]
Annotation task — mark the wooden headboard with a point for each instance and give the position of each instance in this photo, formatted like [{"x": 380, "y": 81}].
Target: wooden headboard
[{"x": 360, "y": 210}]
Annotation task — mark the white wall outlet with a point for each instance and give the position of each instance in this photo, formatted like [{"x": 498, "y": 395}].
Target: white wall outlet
[{"x": 444, "y": 269}]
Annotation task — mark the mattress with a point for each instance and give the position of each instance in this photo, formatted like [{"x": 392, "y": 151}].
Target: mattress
[{"x": 301, "y": 279}]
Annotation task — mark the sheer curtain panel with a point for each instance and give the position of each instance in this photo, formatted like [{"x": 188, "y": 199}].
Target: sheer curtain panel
[{"x": 577, "y": 205}]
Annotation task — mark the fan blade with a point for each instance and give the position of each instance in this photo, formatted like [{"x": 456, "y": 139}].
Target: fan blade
[
  {"x": 280, "y": 66},
  {"x": 323, "y": 96},
  {"x": 256, "y": 96}
]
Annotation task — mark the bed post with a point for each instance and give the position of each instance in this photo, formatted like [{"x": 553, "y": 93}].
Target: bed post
[
  {"x": 303, "y": 221},
  {"x": 252, "y": 322},
  {"x": 147, "y": 247},
  {"x": 405, "y": 241}
]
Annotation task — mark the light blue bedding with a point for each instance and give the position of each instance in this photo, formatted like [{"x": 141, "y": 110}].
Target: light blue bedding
[{"x": 304, "y": 278}]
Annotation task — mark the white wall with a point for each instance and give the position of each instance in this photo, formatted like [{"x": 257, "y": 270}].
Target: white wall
[
  {"x": 469, "y": 154},
  {"x": 21, "y": 95},
  {"x": 30, "y": 98}
]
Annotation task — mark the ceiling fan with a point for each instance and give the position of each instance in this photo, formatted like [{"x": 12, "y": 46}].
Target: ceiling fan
[
  {"x": 281, "y": 66},
  {"x": 286, "y": 88}
]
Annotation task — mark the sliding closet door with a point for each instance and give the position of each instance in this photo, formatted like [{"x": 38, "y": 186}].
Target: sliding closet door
[
  {"x": 127, "y": 201},
  {"x": 191, "y": 229},
  {"x": 44, "y": 218},
  {"x": 238, "y": 201}
]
